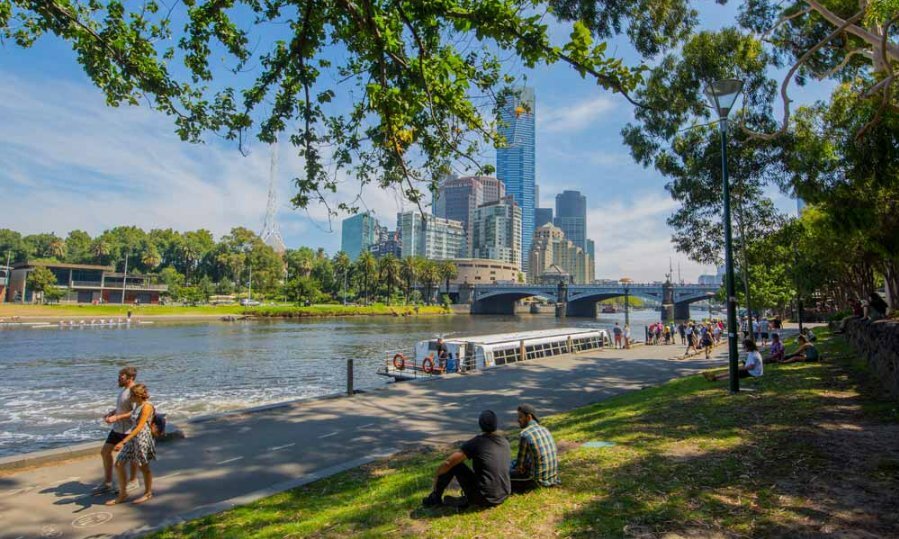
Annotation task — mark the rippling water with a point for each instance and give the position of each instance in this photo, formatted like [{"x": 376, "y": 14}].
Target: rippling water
[{"x": 56, "y": 384}]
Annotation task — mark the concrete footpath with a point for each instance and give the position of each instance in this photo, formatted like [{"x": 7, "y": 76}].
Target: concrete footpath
[{"x": 236, "y": 458}]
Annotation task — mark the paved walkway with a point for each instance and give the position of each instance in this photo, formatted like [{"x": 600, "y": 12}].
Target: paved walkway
[{"x": 237, "y": 458}]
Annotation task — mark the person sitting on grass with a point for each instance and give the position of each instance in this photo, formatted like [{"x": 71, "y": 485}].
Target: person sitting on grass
[
  {"x": 776, "y": 351},
  {"x": 806, "y": 352},
  {"x": 489, "y": 484},
  {"x": 751, "y": 367},
  {"x": 537, "y": 463}
]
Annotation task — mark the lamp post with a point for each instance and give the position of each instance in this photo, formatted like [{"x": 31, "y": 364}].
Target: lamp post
[
  {"x": 722, "y": 95},
  {"x": 627, "y": 315}
]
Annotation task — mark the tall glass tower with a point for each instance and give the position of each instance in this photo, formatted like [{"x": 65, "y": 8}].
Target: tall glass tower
[
  {"x": 515, "y": 162},
  {"x": 571, "y": 216}
]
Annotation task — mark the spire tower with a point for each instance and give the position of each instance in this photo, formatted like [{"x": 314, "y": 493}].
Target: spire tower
[{"x": 271, "y": 233}]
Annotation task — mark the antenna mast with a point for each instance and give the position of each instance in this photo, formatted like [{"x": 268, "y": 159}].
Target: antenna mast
[{"x": 271, "y": 234}]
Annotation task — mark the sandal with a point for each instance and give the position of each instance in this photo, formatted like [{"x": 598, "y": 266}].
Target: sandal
[
  {"x": 143, "y": 499},
  {"x": 116, "y": 501}
]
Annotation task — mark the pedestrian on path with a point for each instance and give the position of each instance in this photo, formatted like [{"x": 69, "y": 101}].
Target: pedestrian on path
[
  {"x": 691, "y": 344},
  {"x": 537, "y": 464},
  {"x": 627, "y": 336},
  {"x": 617, "y": 332},
  {"x": 682, "y": 331},
  {"x": 489, "y": 484},
  {"x": 120, "y": 420},
  {"x": 138, "y": 447}
]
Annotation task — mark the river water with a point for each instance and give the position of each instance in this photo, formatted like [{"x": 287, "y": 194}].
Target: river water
[{"x": 56, "y": 384}]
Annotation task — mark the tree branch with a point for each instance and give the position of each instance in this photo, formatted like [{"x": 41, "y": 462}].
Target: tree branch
[{"x": 869, "y": 37}]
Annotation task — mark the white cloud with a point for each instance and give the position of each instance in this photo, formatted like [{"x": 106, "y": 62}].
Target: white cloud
[
  {"x": 68, "y": 161},
  {"x": 572, "y": 117},
  {"x": 632, "y": 240}
]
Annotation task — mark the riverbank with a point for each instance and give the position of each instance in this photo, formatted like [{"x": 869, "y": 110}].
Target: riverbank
[
  {"x": 56, "y": 313},
  {"x": 808, "y": 450}
]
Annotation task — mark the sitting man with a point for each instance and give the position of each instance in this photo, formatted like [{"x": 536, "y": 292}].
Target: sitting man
[
  {"x": 752, "y": 367},
  {"x": 538, "y": 462},
  {"x": 776, "y": 352},
  {"x": 806, "y": 352},
  {"x": 486, "y": 486}
]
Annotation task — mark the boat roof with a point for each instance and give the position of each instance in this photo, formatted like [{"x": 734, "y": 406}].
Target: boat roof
[{"x": 520, "y": 335}]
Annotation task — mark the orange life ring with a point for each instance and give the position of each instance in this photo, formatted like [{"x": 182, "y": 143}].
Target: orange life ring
[
  {"x": 399, "y": 361},
  {"x": 428, "y": 365}
]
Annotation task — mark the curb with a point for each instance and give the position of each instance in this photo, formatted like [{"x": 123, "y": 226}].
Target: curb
[{"x": 50, "y": 456}]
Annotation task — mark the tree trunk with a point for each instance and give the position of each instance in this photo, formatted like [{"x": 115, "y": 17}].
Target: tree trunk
[{"x": 891, "y": 282}]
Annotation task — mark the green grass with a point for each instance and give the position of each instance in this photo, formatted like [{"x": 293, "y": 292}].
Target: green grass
[
  {"x": 689, "y": 458},
  {"x": 294, "y": 311},
  {"x": 286, "y": 311}
]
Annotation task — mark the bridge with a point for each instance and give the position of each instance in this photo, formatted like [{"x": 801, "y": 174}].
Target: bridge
[{"x": 581, "y": 300}]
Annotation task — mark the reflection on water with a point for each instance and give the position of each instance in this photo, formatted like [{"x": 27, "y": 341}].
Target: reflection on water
[{"x": 55, "y": 384}]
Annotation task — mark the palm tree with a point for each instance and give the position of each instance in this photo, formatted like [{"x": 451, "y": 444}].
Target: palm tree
[
  {"x": 57, "y": 248},
  {"x": 390, "y": 273},
  {"x": 409, "y": 270},
  {"x": 448, "y": 271},
  {"x": 100, "y": 249},
  {"x": 367, "y": 268},
  {"x": 151, "y": 258},
  {"x": 342, "y": 265},
  {"x": 430, "y": 276}
]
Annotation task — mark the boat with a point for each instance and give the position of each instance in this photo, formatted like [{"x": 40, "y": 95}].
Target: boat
[
  {"x": 609, "y": 309},
  {"x": 473, "y": 353}
]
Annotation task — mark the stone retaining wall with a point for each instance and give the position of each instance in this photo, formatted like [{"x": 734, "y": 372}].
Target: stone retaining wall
[{"x": 878, "y": 342}]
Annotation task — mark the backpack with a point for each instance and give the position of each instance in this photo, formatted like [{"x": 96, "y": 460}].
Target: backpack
[{"x": 157, "y": 425}]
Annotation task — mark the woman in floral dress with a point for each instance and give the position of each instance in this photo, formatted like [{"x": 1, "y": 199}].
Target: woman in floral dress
[{"x": 138, "y": 445}]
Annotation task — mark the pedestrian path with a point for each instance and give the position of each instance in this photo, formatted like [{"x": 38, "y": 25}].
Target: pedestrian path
[{"x": 236, "y": 458}]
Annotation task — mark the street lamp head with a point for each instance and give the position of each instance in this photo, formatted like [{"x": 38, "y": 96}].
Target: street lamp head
[{"x": 722, "y": 94}]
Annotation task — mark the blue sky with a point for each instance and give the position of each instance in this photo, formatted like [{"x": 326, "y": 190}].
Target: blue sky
[{"x": 68, "y": 161}]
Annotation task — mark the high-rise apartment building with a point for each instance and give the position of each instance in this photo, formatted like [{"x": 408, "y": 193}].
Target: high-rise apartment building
[
  {"x": 552, "y": 248},
  {"x": 516, "y": 160},
  {"x": 430, "y": 237},
  {"x": 358, "y": 234},
  {"x": 458, "y": 198},
  {"x": 496, "y": 231},
  {"x": 571, "y": 216}
]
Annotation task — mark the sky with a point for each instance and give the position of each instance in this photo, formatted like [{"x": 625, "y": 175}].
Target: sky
[{"x": 68, "y": 161}]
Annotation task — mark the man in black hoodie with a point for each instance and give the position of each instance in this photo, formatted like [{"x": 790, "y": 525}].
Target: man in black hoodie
[{"x": 489, "y": 484}]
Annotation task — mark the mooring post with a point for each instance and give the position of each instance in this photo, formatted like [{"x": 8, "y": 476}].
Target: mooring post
[
  {"x": 523, "y": 351},
  {"x": 349, "y": 377}
]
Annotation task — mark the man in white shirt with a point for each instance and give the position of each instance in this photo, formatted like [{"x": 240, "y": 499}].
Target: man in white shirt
[
  {"x": 752, "y": 367},
  {"x": 120, "y": 420}
]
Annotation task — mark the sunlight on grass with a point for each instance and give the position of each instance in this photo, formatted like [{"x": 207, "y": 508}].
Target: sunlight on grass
[{"x": 688, "y": 457}]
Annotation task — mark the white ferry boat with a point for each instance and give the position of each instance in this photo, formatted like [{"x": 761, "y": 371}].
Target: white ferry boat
[{"x": 487, "y": 351}]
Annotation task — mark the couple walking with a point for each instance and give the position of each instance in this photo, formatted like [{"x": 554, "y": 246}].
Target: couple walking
[{"x": 131, "y": 436}]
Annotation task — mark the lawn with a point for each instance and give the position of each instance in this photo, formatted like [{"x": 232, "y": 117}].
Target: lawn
[{"x": 811, "y": 450}]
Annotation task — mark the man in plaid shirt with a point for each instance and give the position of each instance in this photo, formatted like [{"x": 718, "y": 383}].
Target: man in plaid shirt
[{"x": 538, "y": 461}]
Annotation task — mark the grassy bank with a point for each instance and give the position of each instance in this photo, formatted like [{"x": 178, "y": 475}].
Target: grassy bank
[
  {"x": 812, "y": 450},
  {"x": 8, "y": 311},
  {"x": 294, "y": 311}
]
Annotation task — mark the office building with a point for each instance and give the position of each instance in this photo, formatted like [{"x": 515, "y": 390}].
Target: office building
[
  {"x": 516, "y": 159},
  {"x": 430, "y": 237},
  {"x": 358, "y": 234},
  {"x": 480, "y": 271},
  {"x": 543, "y": 216},
  {"x": 496, "y": 232},
  {"x": 571, "y": 217},
  {"x": 388, "y": 243},
  {"x": 458, "y": 198},
  {"x": 552, "y": 248}
]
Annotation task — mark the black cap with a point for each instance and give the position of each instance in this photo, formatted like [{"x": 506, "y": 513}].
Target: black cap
[
  {"x": 529, "y": 410},
  {"x": 487, "y": 421}
]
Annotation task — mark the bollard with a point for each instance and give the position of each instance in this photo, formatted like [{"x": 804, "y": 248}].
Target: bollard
[{"x": 349, "y": 377}]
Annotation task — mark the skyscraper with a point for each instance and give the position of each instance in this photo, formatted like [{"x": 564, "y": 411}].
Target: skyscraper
[
  {"x": 458, "y": 198},
  {"x": 543, "y": 216},
  {"x": 358, "y": 234},
  {"x": 571, "y": 217},
  {"x": 496, "y": 232},
  {"x": 551, "y": 248},
  {"x": 516, "y": 160}
]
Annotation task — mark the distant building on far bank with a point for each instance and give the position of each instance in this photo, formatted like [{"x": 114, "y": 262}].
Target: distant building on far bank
[
  {"x": 496, "y": 232},
  {"x": 709, "y": 279},
  {"x": 87, "y": 283},
  {"x": 543, "y": 216},
  {"x": 458, "y": 198},
  {"x": 552, "y": 248},
  {"x": 358, "y": 234},
  {"x": 388, "y": 243},
  {"x": 430, "y": 237},
  {"x": 516, "y": 160}
]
